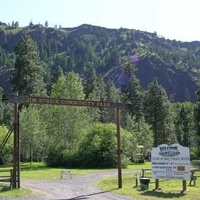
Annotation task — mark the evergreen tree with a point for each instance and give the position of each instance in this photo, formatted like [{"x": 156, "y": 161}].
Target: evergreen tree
[
  {"x": 13, "y": 24},
  {"x": 46, "y": 24},
  {"x": 112, "y": 95},
  {"x": 187, "y": 95},
  {"x": 90, "y": 82},
  {"x": 16, "y": 24},
  {"x": 157, "y": 113},
  {"x": 100, "y": 95},
  {"x": 97, "y": 93},
  {"x": 28, "y": 76},
  {"x": 57, "y": 73},
  {"x": 197, "y": 120},
  {"x": 133, "y": 93},
  {"x": 184, "y": 123},
  {"x": 31, "y": 23}
]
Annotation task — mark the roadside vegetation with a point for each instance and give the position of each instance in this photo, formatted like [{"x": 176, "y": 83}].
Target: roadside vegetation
[{"x": 169, "y": 189}]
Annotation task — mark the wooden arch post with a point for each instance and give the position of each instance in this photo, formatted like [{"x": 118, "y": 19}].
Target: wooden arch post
[
  {"x": 119, "y": 150},
  {"x": 59, "y": 101},
  {"x": 15, "y": 180}
]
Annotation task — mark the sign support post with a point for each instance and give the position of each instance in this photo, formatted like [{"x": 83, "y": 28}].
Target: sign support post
[
  {"x": 184, "y": 186},
  {"x": 157, "y": 184}
]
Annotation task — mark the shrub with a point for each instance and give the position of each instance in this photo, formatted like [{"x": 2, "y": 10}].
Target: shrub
[{"x": 99, "y": 149}]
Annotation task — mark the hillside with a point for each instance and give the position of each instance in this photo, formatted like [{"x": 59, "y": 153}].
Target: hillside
[{"x": 175, "y": 64}]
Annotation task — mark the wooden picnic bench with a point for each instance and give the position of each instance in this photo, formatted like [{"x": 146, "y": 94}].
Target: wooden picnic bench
[
  {"x": 144, "y": 173},
  {"x": 193, "y": 177}
]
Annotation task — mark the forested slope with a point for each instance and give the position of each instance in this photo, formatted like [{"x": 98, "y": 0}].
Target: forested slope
[{"x": 174, "y": 63}]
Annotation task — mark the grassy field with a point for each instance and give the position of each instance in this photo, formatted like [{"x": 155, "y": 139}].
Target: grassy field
[
  {"x": 39, "y": 171},
  {"x": 6, "y": 192},
  {"x": 169, "y": 189}
]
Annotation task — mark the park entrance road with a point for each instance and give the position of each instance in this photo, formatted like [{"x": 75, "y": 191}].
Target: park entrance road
[{"x": 79, "y": 187}]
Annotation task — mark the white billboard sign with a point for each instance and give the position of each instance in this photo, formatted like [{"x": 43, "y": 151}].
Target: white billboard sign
[{"x": 170, "y": 162}]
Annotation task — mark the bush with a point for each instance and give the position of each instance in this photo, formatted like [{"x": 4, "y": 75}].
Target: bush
[
  {"x": 99, "y": 149},
  {"x": 6, "y": 155},
  {"x": 61, "y": 158},
  {"x": 70, "y": 159},
  {"x": 194, "y": 152},
  {"x": 125, "y": 162},
  {"x": 55, "y": 157}
]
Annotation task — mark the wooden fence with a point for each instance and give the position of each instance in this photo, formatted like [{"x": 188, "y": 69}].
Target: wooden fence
[{"x": 7, "y": 176}]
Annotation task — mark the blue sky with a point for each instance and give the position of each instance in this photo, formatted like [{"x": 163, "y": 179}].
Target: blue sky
[{"x": 173, "y": 19}]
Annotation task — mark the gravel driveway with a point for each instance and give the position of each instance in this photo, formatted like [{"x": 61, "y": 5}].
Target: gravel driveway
[{"x": 79, "y": 187}]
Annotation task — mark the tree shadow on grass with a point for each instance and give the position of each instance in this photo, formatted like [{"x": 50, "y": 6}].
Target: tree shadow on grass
[
  {"x": 32, "y": 167},
  {"x": 4, "y": 188},
  {"x": 163, "y": 195}
]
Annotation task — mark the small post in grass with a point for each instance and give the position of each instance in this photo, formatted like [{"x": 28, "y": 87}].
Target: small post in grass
[
  {"x": 184, "y": 186},
  {"x": 157, "y": 184}
]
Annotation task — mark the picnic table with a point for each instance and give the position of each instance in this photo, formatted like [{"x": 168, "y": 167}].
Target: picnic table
[{"x": 193, "y": 176}]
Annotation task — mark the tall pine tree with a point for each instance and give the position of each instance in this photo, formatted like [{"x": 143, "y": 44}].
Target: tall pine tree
[
  {"x": 133, "y": 93},
  {"x": 28, "y": 76},
  {"x": 157, "y": 113},
  {"x": 90, "y": 84},
  {"x": 197, "y": 119}
]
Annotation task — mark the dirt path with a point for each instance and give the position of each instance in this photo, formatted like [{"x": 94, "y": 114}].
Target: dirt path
[{"x": 79, "y": 187}]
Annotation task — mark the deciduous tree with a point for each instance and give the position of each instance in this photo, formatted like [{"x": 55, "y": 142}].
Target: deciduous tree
[{"x": 64, "y": 123}]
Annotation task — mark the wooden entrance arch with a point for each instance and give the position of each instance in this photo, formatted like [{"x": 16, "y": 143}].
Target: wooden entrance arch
[{"x": 57, "y": 101}]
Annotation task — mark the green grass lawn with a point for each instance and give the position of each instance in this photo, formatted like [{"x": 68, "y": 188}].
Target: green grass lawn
[
  {"x": 39, "y": 171},
  {"x": 169, "y": 189},
  {"x": 6, "y": 192}
]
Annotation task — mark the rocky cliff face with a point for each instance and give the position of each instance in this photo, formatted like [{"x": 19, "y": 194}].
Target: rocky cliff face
[{"x": 177, "y": 83}]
